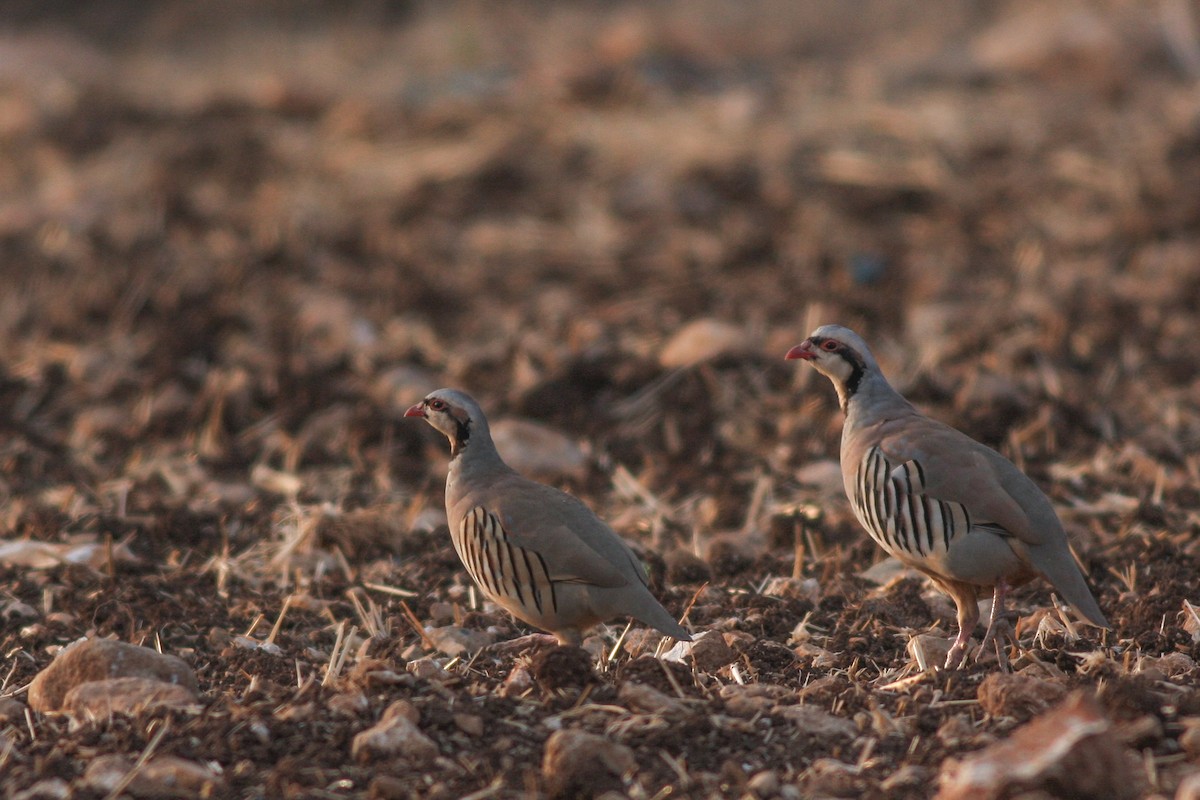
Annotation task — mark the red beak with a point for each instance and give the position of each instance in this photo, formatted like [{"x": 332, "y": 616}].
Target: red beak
[
  {"x": 802, "y": 351},
  {"x": 416, "y": 411}
]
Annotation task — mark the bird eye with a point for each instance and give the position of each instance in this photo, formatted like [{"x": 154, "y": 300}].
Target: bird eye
[
  {"x": 437, "y": 405},
  {"x": 829, "y": 345}
]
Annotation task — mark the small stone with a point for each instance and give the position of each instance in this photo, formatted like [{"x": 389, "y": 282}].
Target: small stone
[
  {"x": 287, "y": 484},
  {"x": 128, "y": 696},
  {"x": 388, "y": 787},
  {"x": 1189, "y": 787},
  {"x": 909, "y": 776},
  {"x": 348, "y": 704},
  {"x": 739, "y": 702},
  {"x": 1189, "y": 740},
  {"x": 64, "y": 618},
  {"x": 928, "y": 651},
  {"x": 828, "y": 777},
  {"x": 296, "y": 712},
  {"x": 580, "y": 764},
  {"x": 1072, "y": 745},
  {"x": 470, "y": 724},
  {"x": 428, "y": 670},
  {"x": 1169, "y": 665},
  {"x": 49, "y": 789},
  {"x": 404, "y": 709},
  {"x": 1145, "y": 731},
  {"x": 105, "y": 773},
  {"x": 955, "y": 732},
  {"x": 884, "y": 572},
  {"x": 701, "y": 340},
  {"x": 394, "y": 736},
  {"x": 814, "y": 721},
  {"x": 169, "y": 776},
  {"x": 708, "y": 652},
  {"x": 455, "y": 641},
  {"x": 368, "y": 671},
  {"x": 11, "y": 711},
  {"x": 798, "y": 588},
  {"x": 640, "y": 641},
  {"x": 1017, "y": 696},
  {"x": 250, "y": 643},
  {"x": 538, "y": 451},
  {"x": 765, "y": 783},
  {"x": 160, "y": 777},
  {"x": 15, "y": 610},
  {"x": 442, "y": 613},
  {"x": 644, "y": 699},
  {"x": 518, "y": 683},
  {"x": 101, "y": 659},
  {"x": 1052, "y": 41},
  {"x": 824, "y": 475}
]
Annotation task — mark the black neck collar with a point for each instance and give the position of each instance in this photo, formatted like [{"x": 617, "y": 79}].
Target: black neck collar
[{"x": 462, "y": 434}]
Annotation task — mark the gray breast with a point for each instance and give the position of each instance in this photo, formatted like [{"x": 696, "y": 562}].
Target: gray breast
[{"x": 891, "y": 504}]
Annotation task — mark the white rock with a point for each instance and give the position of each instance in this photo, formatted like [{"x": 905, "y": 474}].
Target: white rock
[
  {"x": 104, "y": 659},
  {"x": 455, "y": 641},
  {"x": 393, "y": 736},
  {"x": 801, "y": 588},
  {"x": 49, "y": 789},
  {"x": 427, "y": 669},
  {"x": 707, "y": 652},
  {"x": 128, "y": 696},
  {"x": 538, "y": 451},
  {"x": 701, "y": 340},
  {"x": 160, "y": 777},
  {"x": 824, "y": 475}
]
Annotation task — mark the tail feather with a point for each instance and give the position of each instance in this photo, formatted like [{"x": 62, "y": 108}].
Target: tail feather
[
  {"x": 651, "y": 612},
  {"x": 1064, "y": 574}
]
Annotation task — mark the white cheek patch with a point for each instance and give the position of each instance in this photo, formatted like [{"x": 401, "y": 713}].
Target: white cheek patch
[{"x": 835, "y": 367}]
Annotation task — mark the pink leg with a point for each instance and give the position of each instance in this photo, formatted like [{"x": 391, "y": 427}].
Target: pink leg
[
  {"x": 968, "y": 618},
  {"x": 958, "y": 650},
  {"x": 998, "y": 626}
]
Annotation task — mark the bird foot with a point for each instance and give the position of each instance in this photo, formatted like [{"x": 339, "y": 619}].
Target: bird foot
[
  {"x": 956, "y": 658},
  {"x": 998, "y": 633},
  {"x": 521, "y": 644}
]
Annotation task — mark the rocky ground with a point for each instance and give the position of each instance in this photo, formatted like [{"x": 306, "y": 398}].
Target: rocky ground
[{"x": 236, "y": 244}]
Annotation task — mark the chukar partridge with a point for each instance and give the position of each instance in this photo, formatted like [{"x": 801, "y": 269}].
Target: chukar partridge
[
  {"x": 938, "y": 500},
  {"x": 538, "y": 552}
]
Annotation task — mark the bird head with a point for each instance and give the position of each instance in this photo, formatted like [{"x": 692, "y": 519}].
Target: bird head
[
  {"x": 452, "y": 412},
  {"x": 839, "y": 354}
]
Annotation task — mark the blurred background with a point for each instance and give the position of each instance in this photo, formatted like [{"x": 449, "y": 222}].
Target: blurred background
[
  {"x": 258, "y": 225},
  {"x": 254, "y": 233}
]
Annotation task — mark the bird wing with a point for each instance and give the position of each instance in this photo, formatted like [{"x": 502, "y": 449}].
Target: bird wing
[
  {"x": 955, "y": 468},
  {"x": 575, "y": 544}
]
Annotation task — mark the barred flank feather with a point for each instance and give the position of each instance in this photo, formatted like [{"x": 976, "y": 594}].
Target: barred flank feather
[
  {"x": 506, "y": 573},
  {"x": 891, "y": 504}
]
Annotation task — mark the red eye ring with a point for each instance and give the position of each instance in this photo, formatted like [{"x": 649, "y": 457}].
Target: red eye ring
[
  {"x": 437, "y": 405},
  {"x": 829, "y": 345}
]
